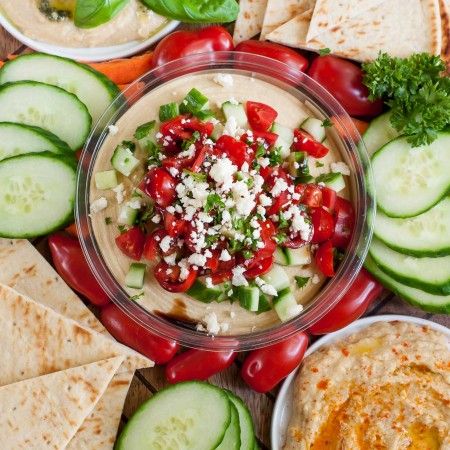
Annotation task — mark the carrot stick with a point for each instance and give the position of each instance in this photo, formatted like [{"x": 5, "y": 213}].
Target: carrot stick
[{"x": 346, "y": 130}]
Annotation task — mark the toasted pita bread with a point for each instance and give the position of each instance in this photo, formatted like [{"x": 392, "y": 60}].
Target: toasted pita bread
[
  {"x": 397, "y": 27},
  {"x": 250, "y": 19},
  {"x": 444, "y": 6},
  {"x": 278, "y": 12},
  {"x": 46, "y": 411}
]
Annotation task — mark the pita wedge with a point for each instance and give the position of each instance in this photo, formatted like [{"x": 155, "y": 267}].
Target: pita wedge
[
  {"x": 278, "y": 12},
  {"x": 444, "y": 6},
  {"x": 45, "y": 412},
  {"x": 250, "y": 19},
  {"x": 397, "y": 27}
]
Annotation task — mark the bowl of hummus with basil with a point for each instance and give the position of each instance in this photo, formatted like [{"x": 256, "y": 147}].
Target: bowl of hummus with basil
[{"x": 214, "y": 200}]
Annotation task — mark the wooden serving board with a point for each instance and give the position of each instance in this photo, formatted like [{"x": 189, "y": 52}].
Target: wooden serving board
[{"x": 148, "y": 381}]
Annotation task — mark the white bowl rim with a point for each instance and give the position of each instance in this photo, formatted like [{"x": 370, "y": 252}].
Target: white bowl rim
[{"x": 279, "y": 420}]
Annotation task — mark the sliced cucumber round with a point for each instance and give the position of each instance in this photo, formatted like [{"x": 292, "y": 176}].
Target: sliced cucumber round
[
  {"x": 429, "y": 274},
  {"x": 232, "y": 438},
  {"x": 18, "y": 139},
  {"x": 187, "y": 416},
  {"x": 37, "y": 194},
  {"x": 48, "y": 107},
  {"x": 93, "y": 88},
  {"x": 379, "y": 133},
  {"x": 427, "y": 234},
  {"x": 409, "y": 181},
  {"x": 428, "y": 302},
  {"x": 248, "y": 440}
]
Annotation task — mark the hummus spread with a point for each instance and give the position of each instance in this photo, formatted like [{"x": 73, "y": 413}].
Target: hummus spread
[
  {"x": 291, "y": 112},
  {"x": 385, "y": 387},
  {"x": 133, "y": 22}
]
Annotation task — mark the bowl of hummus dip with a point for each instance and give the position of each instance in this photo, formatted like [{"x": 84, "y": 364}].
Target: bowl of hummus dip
[
  {"x": 382, "y": 382},
  {"x": 58, "y": 28},
  {"x": 225, "y": 204}
]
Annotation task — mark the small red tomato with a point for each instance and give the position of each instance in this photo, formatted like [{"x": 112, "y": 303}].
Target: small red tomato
[
  {"x": 159, "y": 185},
  {"x": 131, "y": 243},
  {"x": 198, "y": 365},
  {"x": 345, "y": 222},
  {"x": 151, "y": 246},
  {"x": 304, "y": 142},
  {"x": 264, "y": 368},
  {"x": 169, "y": 277},
  {"x": 175, "y": 226},
  {"x": 260, "y": 116},
  {"x": 311, "y": 196},
  {"x": 259, "y": 268},
  {"x": 324, "y": 258},
  {"x": 328, "y": 198},
  {"x": 268, "y": 137},
  {"x": 220, "y": 277},
  {"x": 237, "y": 151},
  {"x": 323, "y": 225}
]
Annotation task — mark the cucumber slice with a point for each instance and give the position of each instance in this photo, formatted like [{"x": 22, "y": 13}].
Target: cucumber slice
[
  {"x": 127, "y": 215},
  {"x": 332, "y": 180},
  {"x": 123, "y": 160},
  {"x": 428, "y": 274},
  {"x": 248, "y": 297},
  {"x": 232, "y": 438},
  {"x": 293, "y": 256},
  {"x": 168, "y": 111},
  {"x": 37, "y": 194},
  {"x": 379, "y": 133},
  {"x": 409, "y": 181},
  {"x": 286, "y": 306},
  {"x": 204, "y": 294},
  {"x": 285, "y": 138},
  {"x": 48, "y": 107},
  {"x": 428, "y": 302},
  {"x": 18, "y": 139},
  {"x": 135, "y": 276},
  {"x": 145, "y": 134},
  {"x": 280, "y": 256},
  {"x": 277, "y": 277},
  {"x": 245, "y": 422},
  {"x": 315, "y": 128},
  {"x": 93, "y": 88},
  {"x": 190, "y": 416},
  {"x": 106, "y": 179},
  {"x": 427, "y": 234},
  {"x": 238, "y": 112},
  {"x": 193, "y": 102},
  {"x": 264, "y": 305}
]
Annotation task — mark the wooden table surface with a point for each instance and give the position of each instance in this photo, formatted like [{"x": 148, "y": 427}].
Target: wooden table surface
[{"x": 147, "y": 382}]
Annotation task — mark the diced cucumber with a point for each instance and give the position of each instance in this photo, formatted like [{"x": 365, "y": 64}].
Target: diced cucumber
[
  {"x": 280, "y": 257},
  {"x": 48, "y": 107},
  {"x": 238, "y": 112},
  {"x": 168, "y": 111},
  {"x": 293, "y": 256},
  {"x": 127, "y": 215},
  {"x": 248, "y": 297},
  {"x": 217, "y": 131},
  {"x": 333, "y": 180},
  {"x": 191, "y": 415},
  {"x": 286, "y": 306},
  {"x": 379, "y": 133},
  {"x": 232, "y": 438},
  {"x": 37, "y": 194},
  {"x": 225, "y": 288},
  {"x": 135, "y": 276},
  {"x": 18, "y": 139},
  {"x": 409, "y": 181},
  {"x": 277, "y": 277},
  {"x": 205, "y": 115},
  {"x": 245, "y": 422},
  {"x": 264, "y": 304},
  {"x": 106, "y": 179},
  {"x": 315, "y": 128},
  {"x": 297, "y": 163},
  {"x": 145, "y": 134},
  {"x": 123, "y": 160},
  {"x": 204, "y": 294},
  {"x": 428, "y": 274},
  {"x": 285, "y": 138},
  {"x": 93, "y": 88},
  {"x": 193, "y": 102},
  {"x": 428, "y": 302}
]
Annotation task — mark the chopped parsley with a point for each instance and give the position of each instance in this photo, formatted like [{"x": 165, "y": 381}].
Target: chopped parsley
[
  {"x": 130, "y": 145},
  {"x": 195, "y": 175},
  {"x": 301, "y": 281},
  {"x": 144, "y": 130},
  {"x": 324, "y": 51},
  {"x": 213, "y": 201},
  {"x": 274, "y": 156},
  {"x": 280, "y": 238},
  {"x": 108, "y": 220},
  {"x": 122, "y": 228},
  {"x": 188, "y": 142},
  {"x": 319, "y": 164},
  {"x": 327, "y": 123}
]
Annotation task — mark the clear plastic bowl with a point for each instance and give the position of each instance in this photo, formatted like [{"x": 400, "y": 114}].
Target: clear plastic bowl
[{"x": 354, "y": 154}]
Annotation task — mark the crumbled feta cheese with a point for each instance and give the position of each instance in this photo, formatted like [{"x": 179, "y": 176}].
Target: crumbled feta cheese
[
  {"x": 208, "y": 282},
  {"x": 232, "y": 313},
  {"x": 184, "y": 266},
  {"x": 165, "y": 243},
  {"x": 266, "y": 288},
  {"x": 294, "y": 311},
  {"x": 299, "y": 224},
  {"x": 279, "y": 187},
  {"x": 171, "y": 259},
  {"x": 119, "y": 190},
  {"x": 231, "y": 127},
  {"x": 158, "y": 135},
  {"x": 238, "y": 276},
  {"x": 230, "y": 293},
  {"x": 156, "y": 218},
  {"x": 265, "y": 200},
  {"x": 113, "y": 129},
  {"x": 315, "y": 279},
  {"x": 170, "y": 210},
  {"x": 340, "y": 167},
  {"x": 173, "y": 171},
  {"x": 263, "y": 162},
  {"x": 222, "y": 172},
  {"x": 135, "y": 203},
  {"x": 98, "y": 205},
  {"x": 243, "y": 197},
  {"x": 224, "y": 79},
  {"x": 211, "y": 322},
  {"x": 189, "y": 153},
  {"x": 197, "y": 259}
]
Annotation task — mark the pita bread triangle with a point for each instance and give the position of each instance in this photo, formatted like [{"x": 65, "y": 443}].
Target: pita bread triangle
[
  {"x": 250, "y": 19},
  {"x": 444, "y": 6},
  {"x": 46, "y": 411}
]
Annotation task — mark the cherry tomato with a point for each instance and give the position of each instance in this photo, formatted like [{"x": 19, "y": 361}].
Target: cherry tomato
[
  {"x": 131, "y": 333},
  {"x": 344, "y": 80},
  {"x": 220, "y": 277},
  {"x": 159, "y": 185},
  {"x": 131, "y": 243},
  {"x": 185, "y": 43},
  {"x": 175, "y": 226},
  {"x": 275, "y": 51},
  {"x": 269, "y": 137},
  {"x": 169, "y": 278},
  {"x": 177, "y": 162},
  {"x": 182, "y": 127},
  {"x": 293, "y": 242},
  {"x": 328, "y": 198},
  {"x": 198, "y": 365},
  {"x": 151, "y": 247},
  {"x": 324, "y": 258},
  {"x": 237, "y": 151},
  {"x": 345, "y": 221},
  {"x": 260, "y": 116},
  {"x": 264, "y": 368},
  {"x": 259, "y": 268},
  {"x": 311, "y": 195},
  {"x": 200, "y": 158},
  {"x": 268, "y": 232},
  {"x": 213, "y": 262},
  {"x": 323, "y": 225},
  {"x": 304, "y": 142},
  {"x": 282, "y": 198},
  {"x": 363, "y": 291}
]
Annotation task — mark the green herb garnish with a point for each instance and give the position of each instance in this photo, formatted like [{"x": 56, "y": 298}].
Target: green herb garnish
[
  {"x": 196, "y": 176},
  {"x": 122, "y": 228},
  {"x": 213, "y": 201},
  {"x": 324, "y": 51},
  {"x": 92, "y": 13},
  {"x": 142, "y": 131},
  {"x": 108, "y": 220},
  {"x": 301, "y": 281},
  {"x": 319, "y": 164},
  {"x": 168, "y": 111},
  {"x": 275, "y": 157},
  {"x": 327, "y": 123}
]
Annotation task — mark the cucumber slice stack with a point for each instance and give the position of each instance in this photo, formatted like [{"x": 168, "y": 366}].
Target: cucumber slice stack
[
  {"x": 410, "y": 252},
  {"x": 47, "y": 107}
]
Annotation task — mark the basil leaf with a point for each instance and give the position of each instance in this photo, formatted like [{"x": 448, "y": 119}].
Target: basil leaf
[
  {"x": 196, "y": 11},
  {"x": 92, "y": 13}
]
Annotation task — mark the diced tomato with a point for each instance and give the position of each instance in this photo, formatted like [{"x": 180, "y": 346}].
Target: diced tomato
[
  {"x": 260, "y": 116},
  {"x": 323, "y": 225},
  {"x": 182, "y": 127},
  {"x": 212, "y": 263},
  {"x": 278, "y": 203},
  {"x": 175, "y": 226},
  {"x": 220, "y": 277},
  {"x": 270, "y": 175},
  {"x": 159, "y": 185},
  {"x": 304, "y": 142},
  {"x": 237, "y": 151},
  {"x": 131, "y": 243},
  {"x": 328, "y": 198},
  {"x": 188, "y": 238},
  {"x": 293, "y": 242},
  {"x": 169, "y": 278},
  {"x": 177, "y": 162},
  {"x": 324, "y": 258},
  {"x": 345, "y": 221},
  {"x": 151, "y": 246},
  {"x": 200, "y": 158},
  {"x": 259, "y": 268},
  {"x": 268, "y": 232},
  {"x": 269, "y": 137},
  {"x": 227, "y": 265},
  {"x": 312, "y": 196}
]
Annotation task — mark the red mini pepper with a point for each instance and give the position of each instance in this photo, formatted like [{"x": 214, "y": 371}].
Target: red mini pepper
[{"x": 71, "y": 264}]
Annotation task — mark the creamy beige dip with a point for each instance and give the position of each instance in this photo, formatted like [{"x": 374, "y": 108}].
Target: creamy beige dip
[
  {"x": 134, "y": 22},
  {"x": 291, "y": 112}
]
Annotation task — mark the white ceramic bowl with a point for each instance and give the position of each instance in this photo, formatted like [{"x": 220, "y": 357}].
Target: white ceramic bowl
[
  {"x": 91, "y": 53},
  {"x": 283, "y": 406}
]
